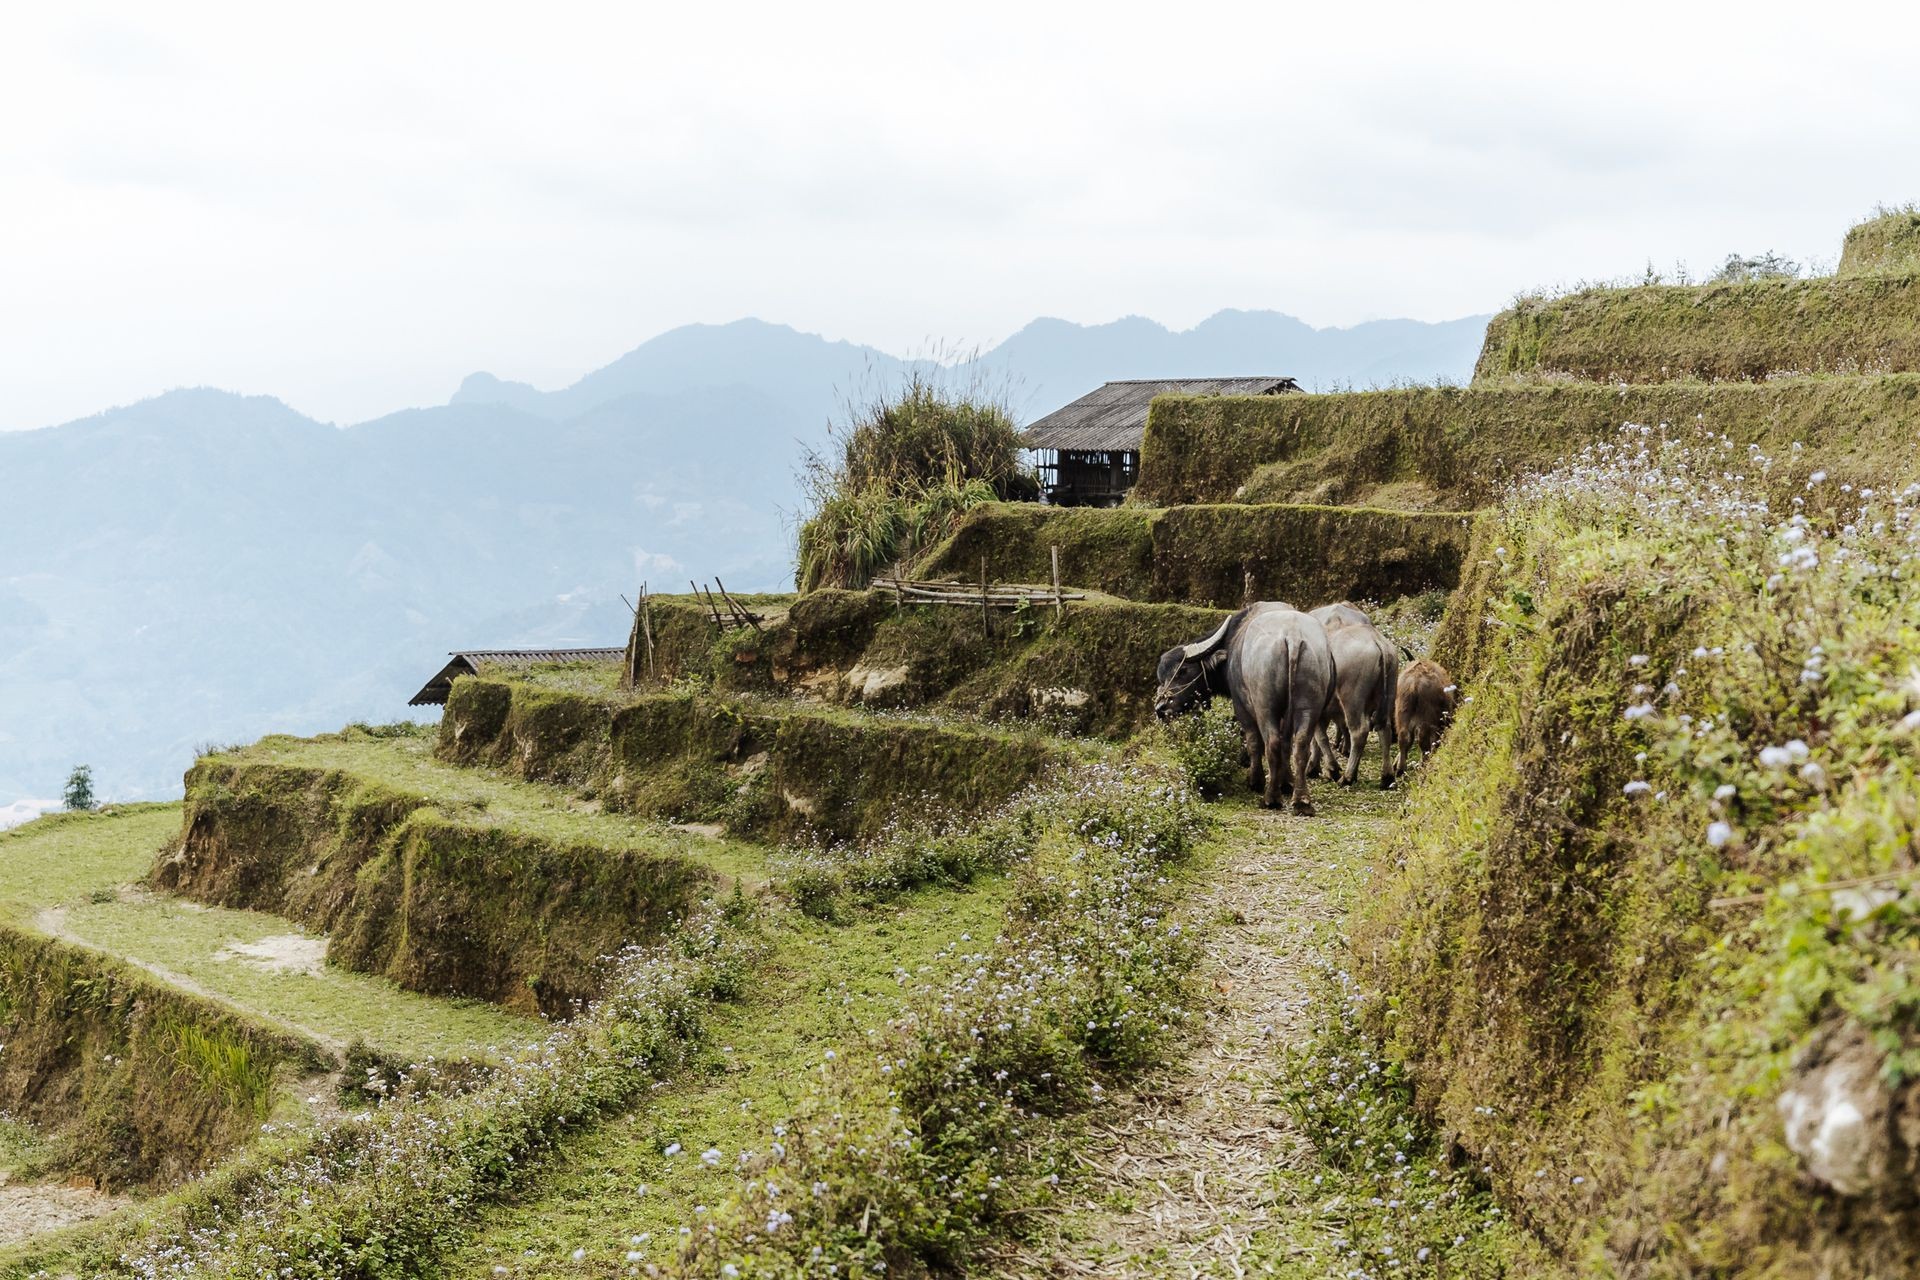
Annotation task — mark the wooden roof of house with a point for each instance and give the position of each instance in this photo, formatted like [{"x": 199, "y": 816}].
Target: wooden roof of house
[
  {"x": 1115, "y": 416},
  {"x": 473, "y": 662}
]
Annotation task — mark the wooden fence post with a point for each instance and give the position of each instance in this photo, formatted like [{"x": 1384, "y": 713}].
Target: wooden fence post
[
  {"x": 986, "y": 610},
  {"x": 646, "y": 629},
  {"x": 631, "y": 659},
  {"x": 1059, "y": 599}
]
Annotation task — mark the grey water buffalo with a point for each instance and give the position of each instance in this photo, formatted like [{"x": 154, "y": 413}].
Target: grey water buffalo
[
  {"x": 1276, "y": 667},
  {"x": 1366, "y": 680},
  {"x": 1335, "y": 616},
  {"x": 1423, "y": 708},
  {"x": 1367, "y": 673}
]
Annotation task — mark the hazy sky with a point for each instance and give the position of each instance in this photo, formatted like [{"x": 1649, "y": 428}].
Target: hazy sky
[{"x": 352, "y": 206}]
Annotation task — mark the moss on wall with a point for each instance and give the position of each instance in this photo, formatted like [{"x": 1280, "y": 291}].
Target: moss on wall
[
  {"x": 436, "y": 896},
  {"x": 1852, "y": 324},
  {"x": 140, "y": 1083},
  {"x": 766, "y": 766},
  {"x": 1460, "y": 447},
  {"x": 1888, "y": 243},
  {"x": 1203, "y": 555},
  {"x": 1541, "y": 945}
]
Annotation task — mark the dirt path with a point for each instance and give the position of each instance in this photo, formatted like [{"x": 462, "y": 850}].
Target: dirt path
[{"x": 1180, "y": 1172}]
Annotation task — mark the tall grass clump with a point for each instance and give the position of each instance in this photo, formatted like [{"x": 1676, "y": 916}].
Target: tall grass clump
[
  {"x": 897, "y": 475},
  {"x": 1653, "y": 916}
]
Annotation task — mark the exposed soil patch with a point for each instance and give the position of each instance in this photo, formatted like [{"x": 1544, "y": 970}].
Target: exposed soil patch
[
  {"x": 282, "y": 953},
  {"x": 30, "y": 1209}
]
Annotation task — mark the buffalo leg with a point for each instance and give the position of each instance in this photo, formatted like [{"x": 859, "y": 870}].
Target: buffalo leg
[
  {"x": 1387, "y": 773},
  {"x": 1278, "y": 780},
  {"x": 1302, "y": 731},
  {"x": 1356, "y": 747},
  {"x": 1256, "y": 761}
]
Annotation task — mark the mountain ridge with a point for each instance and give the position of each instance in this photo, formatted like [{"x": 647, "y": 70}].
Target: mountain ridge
[{"x": 209, "y": 565}]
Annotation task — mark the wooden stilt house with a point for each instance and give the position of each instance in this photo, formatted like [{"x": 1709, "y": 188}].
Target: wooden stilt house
[{"x": 1088, "y": 452}]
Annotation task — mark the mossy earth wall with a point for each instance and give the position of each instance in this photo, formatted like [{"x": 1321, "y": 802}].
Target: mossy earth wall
[
  {"x": 761, "y": 766},
  {"x": 1852, "y": 324},
  {"x": 141, "y": 1084},
  {"x": 1089, "y": 671},
  {"x": 1550, "y": 952},
  {"x": 1888, "y": 243},
  {"x": 1214, "y": 556},
  {"x": 1460, "y": 447},
  {"x": 437, "y": 900}
]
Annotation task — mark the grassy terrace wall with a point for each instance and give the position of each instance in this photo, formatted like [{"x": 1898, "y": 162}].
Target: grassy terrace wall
[
  {"x": 428, "y": 890},
  {"x": 1659, "y": 333},
  {"x": 141, "y": 1083},
  {"x": 1888, "y": 243},
  {"x": 1460, "y": 446},
  {"x": 759, "y": 766},
  {"x": 1202, "y": 555},
  {"x": 1089, "y": 673},
  {"x": 1598, "y": 942}
]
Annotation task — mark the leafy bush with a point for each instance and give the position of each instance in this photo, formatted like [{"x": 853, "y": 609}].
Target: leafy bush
[
  {"x": 923, "y": 434},
  {"x": 1208, "y": 748},
  {"x": 78, "y": 797}
]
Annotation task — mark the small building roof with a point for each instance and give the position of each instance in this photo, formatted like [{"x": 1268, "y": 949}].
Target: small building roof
[
  {"x": 1115, "y": 416},
  {"x": 473, "y": 662}
]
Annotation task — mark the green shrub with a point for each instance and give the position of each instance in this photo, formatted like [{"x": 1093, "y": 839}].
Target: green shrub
[{"x": 1208, "y": 749}]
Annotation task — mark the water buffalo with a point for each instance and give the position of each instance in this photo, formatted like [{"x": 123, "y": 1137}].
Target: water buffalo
[
  {"x": 1335, "y": 616},
  {"x": 1274, "y": 663},
  {"x": 1367, "y": 676},
  {"x": 1423, "y": 707}
]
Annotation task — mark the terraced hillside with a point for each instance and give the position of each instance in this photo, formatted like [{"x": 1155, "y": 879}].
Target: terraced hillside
[{"x": 900, "y": 939}]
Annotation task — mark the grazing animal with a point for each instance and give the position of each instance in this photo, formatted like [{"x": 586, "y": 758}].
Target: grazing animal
[
  {"x": 1335, "y": 616},
  {"x": 1366, "y": 681},
  {"x": 1275, "y": 665},
  {"x": 1422, "y": 708}
]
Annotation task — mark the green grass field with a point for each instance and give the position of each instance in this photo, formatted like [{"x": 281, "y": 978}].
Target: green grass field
[
  {"x": 75, "y": 876},
  {"x": 823, "y": 988},
  {"x": 65, "y": 857}
]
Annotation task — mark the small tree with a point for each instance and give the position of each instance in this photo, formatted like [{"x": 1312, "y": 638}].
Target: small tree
[{"x": 79, "y": 794}]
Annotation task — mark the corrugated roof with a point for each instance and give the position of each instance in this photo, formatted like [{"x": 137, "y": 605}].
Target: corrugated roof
[
  {"x": 473, "y": 662},
  {"x": 1115, "y": 416}
]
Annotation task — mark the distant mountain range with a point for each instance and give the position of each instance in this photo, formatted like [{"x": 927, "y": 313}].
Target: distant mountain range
[{"x": 203, "y": 566}]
